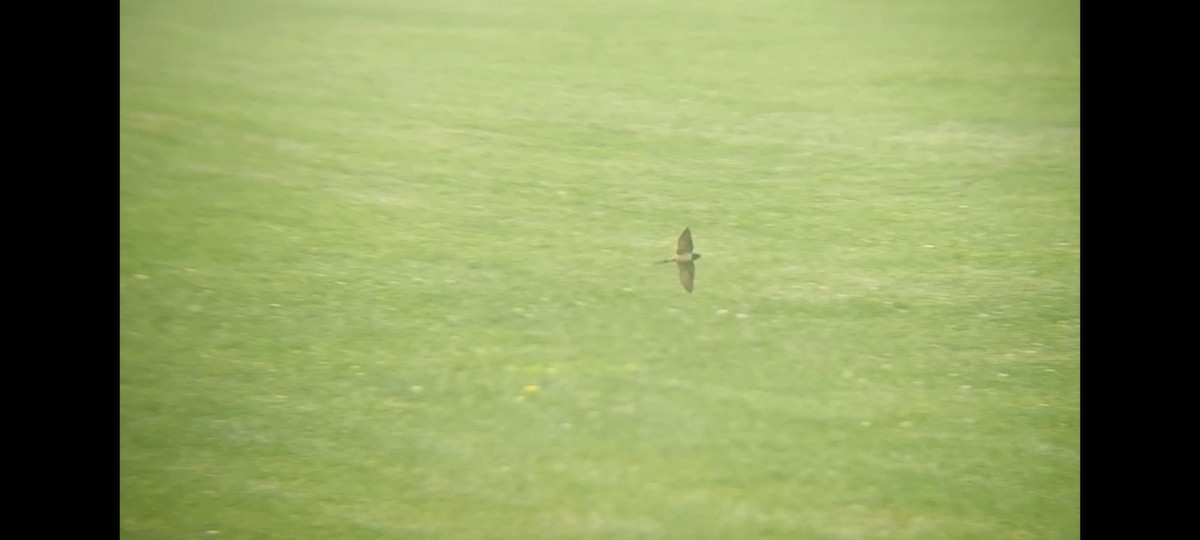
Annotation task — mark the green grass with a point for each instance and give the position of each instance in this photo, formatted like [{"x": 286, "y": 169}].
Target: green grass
[{"x": 353, "y": 231}]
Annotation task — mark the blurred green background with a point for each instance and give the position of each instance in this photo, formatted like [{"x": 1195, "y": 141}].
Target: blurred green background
[{"x": 387, "y": 269}]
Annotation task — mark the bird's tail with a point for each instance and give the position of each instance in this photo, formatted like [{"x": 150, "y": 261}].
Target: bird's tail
[{"x": 665, "y": 261}]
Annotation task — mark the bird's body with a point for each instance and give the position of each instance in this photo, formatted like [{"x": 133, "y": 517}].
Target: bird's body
[{"x": 683, "y": 259}]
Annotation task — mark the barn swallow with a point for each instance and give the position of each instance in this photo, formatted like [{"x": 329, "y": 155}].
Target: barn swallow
[{"x": 683, "y": 259}]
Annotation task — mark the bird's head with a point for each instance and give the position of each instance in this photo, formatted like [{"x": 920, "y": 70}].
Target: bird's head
[{"x": 695, "y": 256}]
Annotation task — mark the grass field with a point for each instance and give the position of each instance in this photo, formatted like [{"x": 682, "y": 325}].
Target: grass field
[{"x": 353, "y": 232}]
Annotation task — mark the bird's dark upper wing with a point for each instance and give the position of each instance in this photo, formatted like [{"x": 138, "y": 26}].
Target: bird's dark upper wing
[
  {"x": 685, "y": 242},
  {"x": 687, "y": 274}
]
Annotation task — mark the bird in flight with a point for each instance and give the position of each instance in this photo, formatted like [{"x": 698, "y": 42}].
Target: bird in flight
[{"x": 683, "y": 259}]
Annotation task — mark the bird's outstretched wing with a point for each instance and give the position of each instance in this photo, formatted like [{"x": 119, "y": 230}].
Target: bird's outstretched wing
[
  {"x": 687, "y": 274},
  {"x": 685, "y": 242}
]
